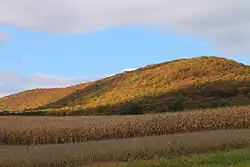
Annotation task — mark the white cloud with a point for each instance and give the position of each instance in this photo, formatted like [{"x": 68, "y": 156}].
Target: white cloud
[
  {"x": 129, "y": 69},
  {"x": 13, "y": 82},
  {"x": 225, "y": 23},
  {"x": 124, "y": 70},
  {"x": 4, "y": 36}
]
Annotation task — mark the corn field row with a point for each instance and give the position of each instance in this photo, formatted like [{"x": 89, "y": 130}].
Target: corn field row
[
  {"x": 87, "y": 153},
  {"x": 117, "y": 127}
]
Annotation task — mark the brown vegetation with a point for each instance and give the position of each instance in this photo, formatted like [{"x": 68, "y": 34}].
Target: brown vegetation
[
  {"x": 122, "y": 150},
  {"x": 202, "y": 82},
  {"x": 55, "y": 130}
]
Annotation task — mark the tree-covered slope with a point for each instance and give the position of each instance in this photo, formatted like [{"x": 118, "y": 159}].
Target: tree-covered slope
[
  {"x": 35, "y": 98},
  {"x": 200, "y": 82}
]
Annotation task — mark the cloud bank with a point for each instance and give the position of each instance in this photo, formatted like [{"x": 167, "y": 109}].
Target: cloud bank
[
  {"x": 12, "y": 82},
  {"x": 225, "y": 23}
]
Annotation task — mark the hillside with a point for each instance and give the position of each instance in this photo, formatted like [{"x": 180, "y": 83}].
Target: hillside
[
  {"x": 202, "y": 82},
  {"x": 36, "y": 98}
]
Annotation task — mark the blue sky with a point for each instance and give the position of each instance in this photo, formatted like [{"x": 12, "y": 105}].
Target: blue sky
[
  {"x": 97, "y": 53},
  {"x": 73, "y": 44}
]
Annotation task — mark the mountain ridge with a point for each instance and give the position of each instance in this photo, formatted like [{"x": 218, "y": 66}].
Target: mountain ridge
[{"x": 144, "y": 83}]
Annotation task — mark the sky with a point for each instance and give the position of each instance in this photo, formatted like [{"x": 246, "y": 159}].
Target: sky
[{"x": 57, "y": 43}]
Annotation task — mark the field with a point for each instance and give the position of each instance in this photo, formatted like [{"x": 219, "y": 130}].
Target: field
[
  {"x": 77, "y": 141},
  {"x": 123, "y": 149},
  {"x": 60, "y": 130}
]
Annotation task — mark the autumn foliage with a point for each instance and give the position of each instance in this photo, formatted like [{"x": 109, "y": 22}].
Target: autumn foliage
[{"x": 202, "y": 82}]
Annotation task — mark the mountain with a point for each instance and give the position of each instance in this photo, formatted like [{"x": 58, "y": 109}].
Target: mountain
[{"x": 201, "y": 82}]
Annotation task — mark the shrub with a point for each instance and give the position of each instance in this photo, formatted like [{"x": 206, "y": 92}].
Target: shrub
[
  {"x": 132, "y": 109},
  {"x": 176, "y": 105},
  {"x": 78, "y": 112}
]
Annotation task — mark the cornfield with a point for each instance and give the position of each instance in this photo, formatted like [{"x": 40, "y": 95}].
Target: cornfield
[
  {"x": 153, "y": 147},
  {"x": 61, "y": 130}
]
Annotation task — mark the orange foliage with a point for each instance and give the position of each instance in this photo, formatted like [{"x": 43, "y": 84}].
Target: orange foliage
[{"x": 182, "y": 82}]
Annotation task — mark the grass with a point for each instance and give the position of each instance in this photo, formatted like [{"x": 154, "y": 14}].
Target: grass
[
  {"x": 233, "y": 158},
  {"x": 202, "y": 82},
  {"x": 124, "y": 150},
  {"x": 59, "y": 130}
]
